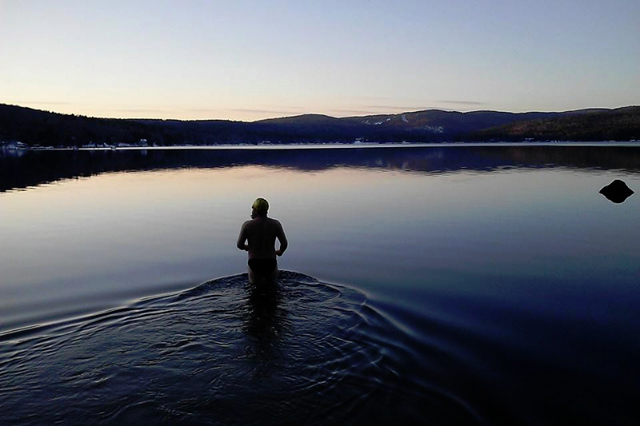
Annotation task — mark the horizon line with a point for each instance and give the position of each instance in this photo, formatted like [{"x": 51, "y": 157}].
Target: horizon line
[{"x": 319, "y": 114}]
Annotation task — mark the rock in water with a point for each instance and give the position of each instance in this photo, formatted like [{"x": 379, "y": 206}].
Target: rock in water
[{"x": 617, "y": 191}]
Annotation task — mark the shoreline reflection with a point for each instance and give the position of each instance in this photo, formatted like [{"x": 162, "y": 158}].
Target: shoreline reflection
[{"x": 41, "y": 167}]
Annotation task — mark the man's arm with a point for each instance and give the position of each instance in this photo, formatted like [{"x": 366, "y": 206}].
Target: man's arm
[
  {"x": 283, "y": 240},
  {"x": 242, "y": 238}
]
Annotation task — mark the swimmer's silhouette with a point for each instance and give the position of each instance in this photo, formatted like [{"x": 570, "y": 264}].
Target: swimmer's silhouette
[
  {"x": 258, "y": 237},
  {"x": 617, "y": 191}
]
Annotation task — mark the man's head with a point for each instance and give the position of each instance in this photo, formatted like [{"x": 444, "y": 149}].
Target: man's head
[{"x": 261, "y": 206}]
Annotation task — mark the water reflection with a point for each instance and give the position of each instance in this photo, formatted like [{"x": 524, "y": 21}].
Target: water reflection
[
  {"x": 263, "y": 325},
  {"x": 465, "y": 261},
  {"x": 38, "y": 167}
]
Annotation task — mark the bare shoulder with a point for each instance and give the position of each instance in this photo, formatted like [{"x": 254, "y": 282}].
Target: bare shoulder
[{"x": 275, "y": 222}]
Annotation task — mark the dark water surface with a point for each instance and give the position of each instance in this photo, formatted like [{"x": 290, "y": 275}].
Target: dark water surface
[
  {"x": 439, "y": 285},
  {"x": 221, "y": 353}
]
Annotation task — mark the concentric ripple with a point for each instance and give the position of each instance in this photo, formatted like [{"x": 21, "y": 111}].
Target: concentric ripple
[{"x": 225, "y": 352}]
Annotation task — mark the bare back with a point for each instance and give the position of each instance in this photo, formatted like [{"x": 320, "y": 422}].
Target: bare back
[{"x": 260, "y": 234}]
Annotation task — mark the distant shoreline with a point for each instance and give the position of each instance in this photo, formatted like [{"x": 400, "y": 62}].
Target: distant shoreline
[
  {"x": 325, "y": 146},
  {"x": 24, "y": 127}
]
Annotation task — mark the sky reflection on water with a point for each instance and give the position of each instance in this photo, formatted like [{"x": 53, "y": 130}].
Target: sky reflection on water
[
  {"x": 481, "y": 270},
  {"x": 95, "y": 239}
]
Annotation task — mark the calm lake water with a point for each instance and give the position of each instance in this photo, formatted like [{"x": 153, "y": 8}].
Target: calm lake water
[{"x": 446, "y": 285}]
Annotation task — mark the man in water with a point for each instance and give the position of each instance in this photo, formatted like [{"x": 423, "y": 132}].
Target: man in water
[{"x": 258, "y": 237}]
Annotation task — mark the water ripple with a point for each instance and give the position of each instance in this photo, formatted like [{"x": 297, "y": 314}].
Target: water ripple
[{"x": 224, "y": 352}]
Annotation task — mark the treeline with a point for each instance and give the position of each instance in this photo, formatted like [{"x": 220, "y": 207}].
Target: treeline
[
  {"x": 35, "y": 127},
  {"x": 622, "y": 124}
]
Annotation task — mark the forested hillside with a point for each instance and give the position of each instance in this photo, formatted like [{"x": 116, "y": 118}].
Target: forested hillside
[{"x": 35, "y": 127}]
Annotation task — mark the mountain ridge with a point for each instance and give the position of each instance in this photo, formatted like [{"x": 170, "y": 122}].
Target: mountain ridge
[{"x": 38, "y": 127}]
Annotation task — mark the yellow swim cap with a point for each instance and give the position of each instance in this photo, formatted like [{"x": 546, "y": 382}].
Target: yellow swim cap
[{"x": 261, "y": 205}]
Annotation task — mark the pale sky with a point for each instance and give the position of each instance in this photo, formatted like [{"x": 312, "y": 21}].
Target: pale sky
[{"x": 248, "y": 60}]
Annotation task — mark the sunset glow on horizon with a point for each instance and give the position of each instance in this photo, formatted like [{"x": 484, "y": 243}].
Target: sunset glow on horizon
[{"x": 250, "y": 60}]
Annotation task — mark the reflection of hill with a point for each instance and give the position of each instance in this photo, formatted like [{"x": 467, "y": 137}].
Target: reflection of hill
[{"x": 37, "y": 167}]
